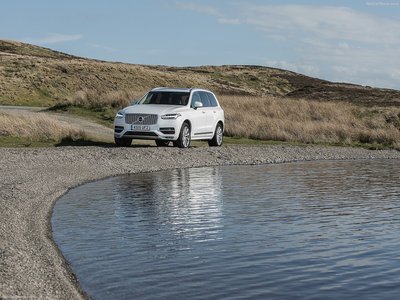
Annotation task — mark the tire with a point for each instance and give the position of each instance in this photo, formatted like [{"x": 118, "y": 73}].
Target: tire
[
  {"x": 122, "y": 142},
  {"x": 183, "y": 140},
  {"x": 218, "y": 137},
  {"x": 161, "y": 143}
]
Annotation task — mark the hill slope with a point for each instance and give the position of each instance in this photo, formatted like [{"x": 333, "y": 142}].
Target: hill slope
[{"x": 33, "y": 75}]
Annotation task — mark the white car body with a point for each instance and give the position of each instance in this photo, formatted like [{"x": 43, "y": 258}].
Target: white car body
[{"x": 163, "y": 122}]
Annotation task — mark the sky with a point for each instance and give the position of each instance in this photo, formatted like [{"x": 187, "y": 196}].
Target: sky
[{"x": 343, "y": 41}]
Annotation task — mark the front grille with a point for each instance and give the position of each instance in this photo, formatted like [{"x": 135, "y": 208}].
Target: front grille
[{"x": 142, "y": 119}]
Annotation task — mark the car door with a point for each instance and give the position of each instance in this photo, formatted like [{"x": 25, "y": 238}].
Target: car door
[
  {"x": 198, "y": 117},
  {"x": 217, "y": 114},
  {"x": 208, "y": 110}
]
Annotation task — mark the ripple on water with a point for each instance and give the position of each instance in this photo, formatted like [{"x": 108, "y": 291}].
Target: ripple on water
[{"x": 305, "y": 230}]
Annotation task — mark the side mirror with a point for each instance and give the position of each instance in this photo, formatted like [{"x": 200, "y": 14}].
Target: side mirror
[
  {"x": 197, "y": 104},
  {"x": 134, "y": 102}
]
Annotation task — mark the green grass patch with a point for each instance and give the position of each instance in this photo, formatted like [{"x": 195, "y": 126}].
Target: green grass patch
[
  {"x": 371, "y": 146},
  {"x": 82, "y": 142},
  {"x": 21, "y": 142},
  {"x": 245, "y": 141},
  {"x": 29, "y": 100}
]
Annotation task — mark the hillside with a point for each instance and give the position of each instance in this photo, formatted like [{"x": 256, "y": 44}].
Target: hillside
[{"x": 33, "y": 75}]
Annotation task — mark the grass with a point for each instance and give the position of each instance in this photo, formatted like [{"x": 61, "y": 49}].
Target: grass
[
  {"x": 15, "y": 141},
  {"x": 96, "y": 90},
  {"x": 311, "y": 122},
  {"x": 104, "y": 117},
  {"x": 36, "y": 76},
  {"x": 96, "y": 106},
  {"x": 268, "y": 119},
  {"x": 36, "y": 130},
  {"x": 235, "y": 140}
]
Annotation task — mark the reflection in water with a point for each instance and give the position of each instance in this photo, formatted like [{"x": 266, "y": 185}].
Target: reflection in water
[
  {"x": 323, "y": 230},
  {"x": 186, "y": 202}
]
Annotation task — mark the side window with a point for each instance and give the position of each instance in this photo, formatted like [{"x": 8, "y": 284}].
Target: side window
[
  {"x": 195, "y": 97},
  {"x": 212, "y": 99},
  {"x": 204, "y": 99}
]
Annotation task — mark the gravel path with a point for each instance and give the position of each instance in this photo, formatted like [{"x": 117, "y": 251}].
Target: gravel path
[{"x": 32, "y": 179}]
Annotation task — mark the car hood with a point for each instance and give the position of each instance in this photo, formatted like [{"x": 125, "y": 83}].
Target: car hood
[{"x": 153, "y": 109}]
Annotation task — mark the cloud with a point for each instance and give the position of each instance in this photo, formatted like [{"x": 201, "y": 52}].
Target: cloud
[
  {"x": 368, "y": 66},
  {"x": 231, "y": 21},
  {"x": 309, "y": 69},
  {"x": 54, "y": 38},
  {"x": 200, "y": 8},
  {"x": 335, "y": 42},
  {"x": 209, "y": 10},
  {"x": 326, "y": 22}
]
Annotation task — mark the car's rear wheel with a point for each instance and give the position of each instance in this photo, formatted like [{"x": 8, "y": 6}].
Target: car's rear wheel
[
  {"x": 122, "y": 142},
  {"x": 161, "y": 143},
  {"x": 218, "y": 137},
  {"x": 183, "y": 140}
]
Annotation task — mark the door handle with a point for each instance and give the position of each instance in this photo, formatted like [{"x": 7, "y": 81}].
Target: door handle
[{"x": 204, "y": 112}]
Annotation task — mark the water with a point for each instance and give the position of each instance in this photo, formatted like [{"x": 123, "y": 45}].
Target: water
[{"x": 314, "y": 230}]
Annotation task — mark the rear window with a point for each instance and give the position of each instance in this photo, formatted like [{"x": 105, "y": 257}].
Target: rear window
[
  {"x": 166, "y": 98},
  {"x": 212, "y": 99}
]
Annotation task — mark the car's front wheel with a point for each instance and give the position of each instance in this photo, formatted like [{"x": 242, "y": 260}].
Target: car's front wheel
[
  {"x": 122, "y": 142},
  {"x": 218, "y": 137},
  {"x": 183, "y": 140}
]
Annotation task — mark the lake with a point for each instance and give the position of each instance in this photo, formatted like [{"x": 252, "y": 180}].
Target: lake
[{"x": 309, "y": 230}]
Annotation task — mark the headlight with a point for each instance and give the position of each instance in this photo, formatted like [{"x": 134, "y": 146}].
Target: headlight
[
  {"x": 120, "y": 114},
  {"x": 170, "y": 116}
]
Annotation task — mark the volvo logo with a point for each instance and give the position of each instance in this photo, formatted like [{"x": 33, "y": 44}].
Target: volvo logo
[{"x": 140, "y": 119}]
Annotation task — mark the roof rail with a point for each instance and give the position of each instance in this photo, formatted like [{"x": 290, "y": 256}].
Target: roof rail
[{"x": 171, "y": 88}]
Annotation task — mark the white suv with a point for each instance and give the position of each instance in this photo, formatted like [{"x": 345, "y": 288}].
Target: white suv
[{"x": 171, "y": 115}]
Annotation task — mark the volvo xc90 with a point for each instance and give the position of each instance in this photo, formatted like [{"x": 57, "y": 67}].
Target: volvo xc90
[{"x": 172, "y": 115}]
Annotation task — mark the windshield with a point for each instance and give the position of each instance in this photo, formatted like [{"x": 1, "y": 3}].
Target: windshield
[{"x": 166, "y": 98}]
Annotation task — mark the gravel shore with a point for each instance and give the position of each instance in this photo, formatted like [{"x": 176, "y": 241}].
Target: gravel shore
[{"x": 32, "y": 179}]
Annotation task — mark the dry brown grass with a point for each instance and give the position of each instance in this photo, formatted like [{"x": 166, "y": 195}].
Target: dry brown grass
[
  {"x": 282, "y": 119},
  {"x": 97, "y": 101},
  {"x": 36, "y": 76},
  {"x": 305, "y": 121},
  {"x": 38, "y": 127},
  {"x": 94, "y": 100}
]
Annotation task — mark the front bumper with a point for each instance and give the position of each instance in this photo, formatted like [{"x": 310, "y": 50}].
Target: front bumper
[{"x": 166, "y": 130}]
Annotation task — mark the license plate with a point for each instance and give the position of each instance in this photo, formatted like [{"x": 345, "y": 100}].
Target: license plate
[{"x": 141, "y": 127}]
